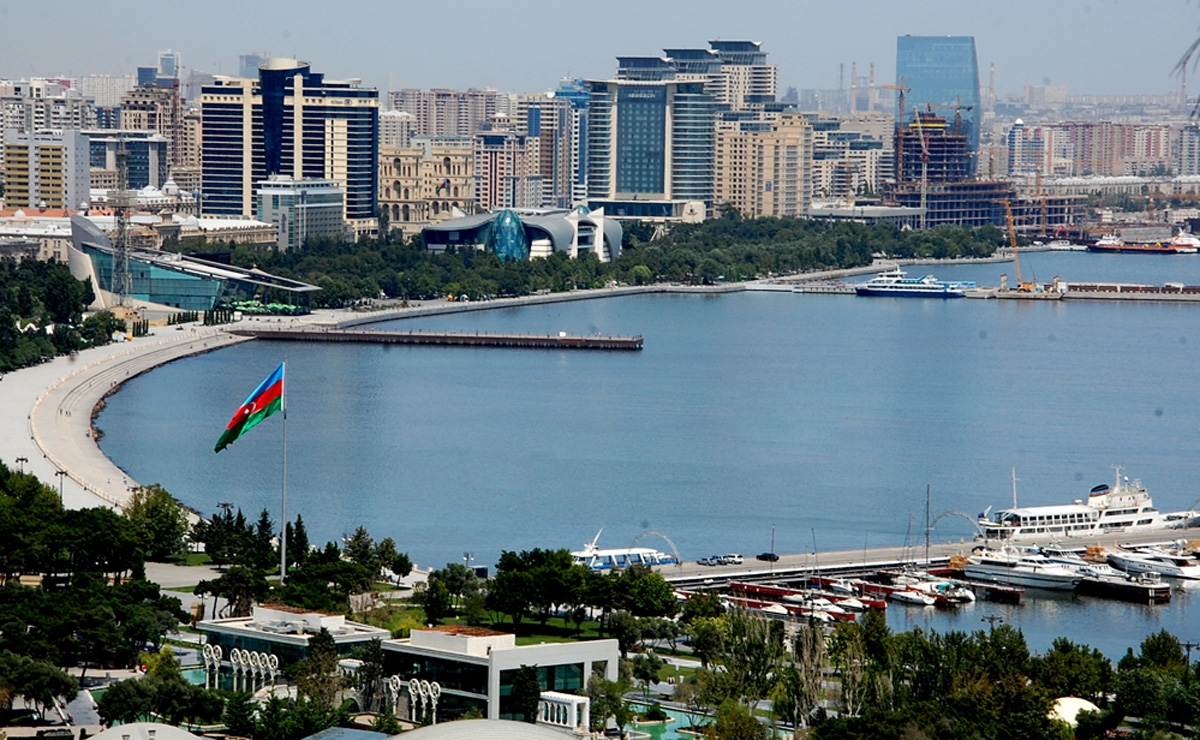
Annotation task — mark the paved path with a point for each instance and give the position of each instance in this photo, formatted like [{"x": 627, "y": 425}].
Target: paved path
[{"x": 60, "y": 416}]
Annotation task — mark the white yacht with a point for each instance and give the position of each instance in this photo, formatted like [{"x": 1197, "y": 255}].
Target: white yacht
[
  {"x": 1013, "y": 567},
  {"x": 1124, "y": 508},
  {"x": 597, "y": 558},
  {"x": 1170, "y": 563}
]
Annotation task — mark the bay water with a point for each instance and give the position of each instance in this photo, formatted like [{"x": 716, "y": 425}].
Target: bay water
[{"x": 825, "y": 417}]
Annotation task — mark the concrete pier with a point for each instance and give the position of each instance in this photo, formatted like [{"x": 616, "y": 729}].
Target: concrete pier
[{"x": 447, "y": 339}]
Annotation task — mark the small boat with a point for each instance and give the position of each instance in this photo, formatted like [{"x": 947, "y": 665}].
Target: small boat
[
  {"x": 918, "y": 598},
  {"x": 1064, "y": 245},
  {"x": 895, "y": 283}
]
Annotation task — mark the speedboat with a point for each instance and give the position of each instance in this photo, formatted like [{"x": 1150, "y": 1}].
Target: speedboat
[
  {"x": 1014, "y": 567},
  {"x": 918, "y": 598}
]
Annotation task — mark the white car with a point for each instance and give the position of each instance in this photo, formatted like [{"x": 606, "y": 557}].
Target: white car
[{"x": 731, "y": 559}]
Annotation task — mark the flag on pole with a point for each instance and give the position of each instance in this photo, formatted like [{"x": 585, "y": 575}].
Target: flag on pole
[{"x": 264, "y": 401}]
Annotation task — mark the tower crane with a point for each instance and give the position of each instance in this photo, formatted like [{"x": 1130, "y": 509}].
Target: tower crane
[
  {"x": 924, "y": 164},
  {"x": 958, "y": 107},
  {"x": 899, "y": 140}
]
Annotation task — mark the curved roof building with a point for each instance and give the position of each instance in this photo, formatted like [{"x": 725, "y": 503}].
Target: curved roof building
[{"x": 524, "y": 233}]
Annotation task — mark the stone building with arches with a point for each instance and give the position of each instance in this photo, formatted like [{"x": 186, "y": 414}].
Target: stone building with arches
[{"x": 428, "y": 182}]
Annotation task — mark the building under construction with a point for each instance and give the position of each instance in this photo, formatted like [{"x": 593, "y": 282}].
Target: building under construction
[{"x": 933, "y": 165}]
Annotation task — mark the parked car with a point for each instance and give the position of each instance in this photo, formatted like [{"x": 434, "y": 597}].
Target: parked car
[
  {"x": 733, "y": 559},
  {"x": 767, "y": 557},
  {"x": 713, "y": 560}
]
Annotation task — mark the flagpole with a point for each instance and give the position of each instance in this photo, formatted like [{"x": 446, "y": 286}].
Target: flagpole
[{"x": 283, "y": 523}]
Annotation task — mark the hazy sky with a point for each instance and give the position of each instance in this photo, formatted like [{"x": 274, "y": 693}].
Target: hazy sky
[{"x": 1091, "y": 46}]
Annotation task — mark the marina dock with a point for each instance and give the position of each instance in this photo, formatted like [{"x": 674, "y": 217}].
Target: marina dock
[{"x": 448, "y": 339}]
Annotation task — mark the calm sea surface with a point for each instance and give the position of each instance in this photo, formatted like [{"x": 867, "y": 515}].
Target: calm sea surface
[{"x": 826, "y": 416}]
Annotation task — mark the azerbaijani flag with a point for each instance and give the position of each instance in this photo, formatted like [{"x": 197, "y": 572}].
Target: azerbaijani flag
[{"x": 264, "y": 401}]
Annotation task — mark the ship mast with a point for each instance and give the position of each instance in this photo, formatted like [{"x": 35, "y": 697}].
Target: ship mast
[{"x": 1014, "y": 482}]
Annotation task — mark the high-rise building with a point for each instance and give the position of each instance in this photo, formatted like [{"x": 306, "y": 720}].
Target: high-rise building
[
  {"x": 106, "y": 91},
  {"x": 301, "y": 209},
  {"x": 290, "y": 121},
  {"x": 506, "y": 173},
  {"x": 1026, "y": 149},
  {"x": 576, "y": 93},
  {"x": 765, "y": 169},
  {"x": 396, "y": 128},
  {"x": 650, "y": 145},
  {"x": 155, "y": 108},
  {"x": 147, "y": 157},
  {"x": 169, "y": 64},
  {"x": 45, "y": 169},
  {"x": 39, "y": 104},
  {"x": 1187, "y": 159},
  {"x": 942, "y": 76},
  {"x": 442, "y": 112},
  {"x": 248, "y": 65},
  {"x": 548, "y": 119}
]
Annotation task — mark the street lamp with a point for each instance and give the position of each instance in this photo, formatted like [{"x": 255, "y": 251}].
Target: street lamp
[
  {"x": 61, "y": 474},
  {"x": 21, "y": 464}
]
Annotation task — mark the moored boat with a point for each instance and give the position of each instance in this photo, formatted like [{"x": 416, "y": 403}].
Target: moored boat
[
  {"x": 1172, "y": 563},
  {"x": 895, "y": 282},
  {"x": 1009, "y": 565},
  {"x": 1127, "y": 507},
  {"x": 1113, "y": 243}
]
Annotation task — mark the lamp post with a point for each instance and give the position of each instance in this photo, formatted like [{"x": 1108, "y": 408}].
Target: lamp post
[
  {"x": 61, "y": 474},
  {"x": 21, "y": 464}
]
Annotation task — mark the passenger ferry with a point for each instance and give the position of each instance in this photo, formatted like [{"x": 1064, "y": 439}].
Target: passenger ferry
[
  {"x": 597, "y": 558},
  {"x": 1125, "y": 508},
  {"x": 894, "y": 283}
]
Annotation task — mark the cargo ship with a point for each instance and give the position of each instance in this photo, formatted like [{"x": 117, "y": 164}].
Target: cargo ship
[{"x": 1182, "y": 244}]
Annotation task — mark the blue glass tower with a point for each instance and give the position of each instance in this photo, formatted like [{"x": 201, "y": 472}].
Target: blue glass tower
[
  {"x": 940, "y": 71},
  {"x": 507, "y": 238}
]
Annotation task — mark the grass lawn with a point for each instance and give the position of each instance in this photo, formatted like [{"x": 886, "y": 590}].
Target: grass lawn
[
  {"x": 182, "y": 589},
  {"x": 191, "y": 558}
]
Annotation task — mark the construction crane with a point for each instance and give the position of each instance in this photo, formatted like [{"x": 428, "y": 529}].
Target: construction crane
[
  {"x": 1012, "y": 240},
  {"x": 958, "y": 107},
  {"x": 899, "y": 125},
  {"x": 924, "y": 164}
]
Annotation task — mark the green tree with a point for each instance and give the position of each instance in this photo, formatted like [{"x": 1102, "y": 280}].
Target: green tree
[
  {"x": 317, "y": 676},
  {"x": 125, "y": 701},
  {"x": 526, "y": 693},
  {"x": 645, "y": 669},
  {"x": 435, "y": 599},
  {"x": 240, "y": 586},
  {"x": 239, "y": 714},
  {"x": 626, "y": 629},
  {"x": 735, "y": 722},
  {"x": 158, "y": 520}
]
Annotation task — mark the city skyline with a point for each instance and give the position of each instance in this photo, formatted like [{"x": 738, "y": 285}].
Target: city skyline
[{"x": 527, "y": 45}]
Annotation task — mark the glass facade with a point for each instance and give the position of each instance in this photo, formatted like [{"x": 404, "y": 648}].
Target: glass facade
[
  {"x": 641, "y": 139},
  {"x": 567, "y": 679},
  {"x": 456, "y": 675},
  {"x": 507, "y": 239},
  {"x": 159, "y": 285},
  {"x": 941, "y": 71}
]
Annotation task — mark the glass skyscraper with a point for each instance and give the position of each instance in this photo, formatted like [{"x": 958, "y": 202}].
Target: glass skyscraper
[{"x": 940, "y": 71}]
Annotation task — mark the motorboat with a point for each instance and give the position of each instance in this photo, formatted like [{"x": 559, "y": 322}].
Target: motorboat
[{"x": 896, "y": 283}]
